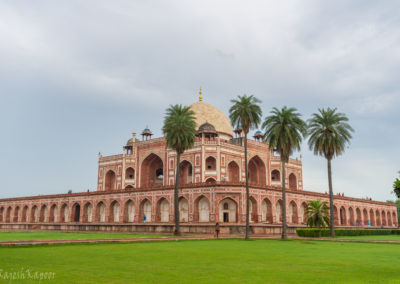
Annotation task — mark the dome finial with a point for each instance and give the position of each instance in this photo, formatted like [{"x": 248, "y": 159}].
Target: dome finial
[{"x": 200, "y": 96}]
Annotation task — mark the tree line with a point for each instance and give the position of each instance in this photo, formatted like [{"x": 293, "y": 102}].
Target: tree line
[{"x": 328, "y": 133}]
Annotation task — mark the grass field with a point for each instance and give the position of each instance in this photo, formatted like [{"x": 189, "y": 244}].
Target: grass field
[
  {"x": 377, "y": 237},
  {"x": 19, "y": 236},
  {"x": 210, "y": 261}
]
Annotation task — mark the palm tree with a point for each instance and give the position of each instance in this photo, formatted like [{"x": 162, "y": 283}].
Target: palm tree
[
  {"x": 329, "y": 134},
  {"x": 317, "y": 213},
  {"x": 284, "y": 132},
  {"x": 179, "y": 130},
  {"x": 246, "y": 112}
]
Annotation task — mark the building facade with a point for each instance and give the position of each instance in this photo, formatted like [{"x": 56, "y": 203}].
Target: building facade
[{"x": 138, "y": 184}]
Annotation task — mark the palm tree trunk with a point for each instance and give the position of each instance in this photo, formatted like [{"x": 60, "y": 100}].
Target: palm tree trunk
[
  {"x": 247, "y": 188},
  {"x": 331, "y": 206},
  {"x": 284, "y": 234},
  {"x": 177, "y": 231}
]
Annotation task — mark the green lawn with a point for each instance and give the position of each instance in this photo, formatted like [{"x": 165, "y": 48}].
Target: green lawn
[
  {"x": 205, "y": 261},
  {"x": 377, "y": 237},
  {"x": 19, "y": 236}
]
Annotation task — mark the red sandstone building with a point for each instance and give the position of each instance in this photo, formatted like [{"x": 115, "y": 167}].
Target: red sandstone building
[{"x": 139, "y": 182}]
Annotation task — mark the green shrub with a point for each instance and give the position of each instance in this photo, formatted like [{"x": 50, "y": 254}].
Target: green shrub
[{"x": 315, "y": 233}]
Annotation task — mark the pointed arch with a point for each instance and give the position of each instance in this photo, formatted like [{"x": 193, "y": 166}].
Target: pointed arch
[
  {"x": 130, "y": 173},
  {"x": 145, "y": 209},
  {"x": 53, "y": 214},
  {"x": 17, "y": 215},
  {"x": 384, "y": 223},
  {"x": 211, "y": 180},
  {"x": 228, "y": 210},
  {"x": 365, "y": 217},
  {"x": 2, "y": 215},
  {"x": 64, "y": 213},
  {"x": 372, "y": 217},
  {"x": 115, "y": 210},
  {"x": 100, "y": 213},
  {"x": 211, "y": 163},
  {"x": 162, "y": 210},
  {"x": 293, "y": 216},
  {"x": 292, "y": 182},
  {"x": 256, "y": 168},
  {"x": 34, "y": 214},
  {"x": 253, "y": 210},
  {"x": 266, "y": 209},
  {"x": 25, "y": 214},
  {"x": 129, "y": 211},
  {"x": 110, "y": 181},
  {"x": 358, "y": 217},
  {"x": 378, "y": 218},
  {"x": 152, "y": 171},
  {"x": 233, "y": 172},
  {"x": 76, "y": 212},
  {"x": 278, "y": 211},
  {"x": 275, "y": 176},
  {"x": 343, "y": 217},
  {"x": 202, "y": 209},
  {"x": 389, "y": 219},
  {"x": 43, "y": 213},
  {"x": 185, "y": 172},
  {"x": 183, "y": 209},
  {"x": 303, "y": 215},
  {"x": 335, "y": 215},
  {"x": 351, "y": 213},
  {"x": 87, "y": 213}
]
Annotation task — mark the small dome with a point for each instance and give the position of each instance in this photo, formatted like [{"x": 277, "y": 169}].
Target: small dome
[
  {"x": 207, "y": 127},
  {"x": 129, "y": 142},
  {"x": 258, "y": 132}
]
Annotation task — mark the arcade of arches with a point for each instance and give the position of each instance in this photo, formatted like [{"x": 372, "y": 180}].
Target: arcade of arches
[{"x": 263, "y": 210}]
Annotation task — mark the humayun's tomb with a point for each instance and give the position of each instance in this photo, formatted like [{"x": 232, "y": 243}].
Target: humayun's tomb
[{"x": 140, "y": 182}]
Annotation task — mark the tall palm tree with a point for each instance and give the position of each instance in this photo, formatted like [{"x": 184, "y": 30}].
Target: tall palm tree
[
  {"x": 284, "y": 132},
  {"x": 179, "y": 130},
  {"x": 329, "y": 135},
  {"x": 317, "y": 213},
  {"x": 246, "y": 112}
]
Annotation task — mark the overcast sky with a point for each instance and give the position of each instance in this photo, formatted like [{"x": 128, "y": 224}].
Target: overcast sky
[{"x": 77, "y": 77}]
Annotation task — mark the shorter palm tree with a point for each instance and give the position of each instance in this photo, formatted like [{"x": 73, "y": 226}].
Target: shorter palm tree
[
  {"x": 179, "y": 130},
  {"x": 317, "y": 213}
]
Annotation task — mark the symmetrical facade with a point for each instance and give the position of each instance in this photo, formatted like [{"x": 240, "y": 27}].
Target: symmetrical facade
[{"x": 139, "y": 182}]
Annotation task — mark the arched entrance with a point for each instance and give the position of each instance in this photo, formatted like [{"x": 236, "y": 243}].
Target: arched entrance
[
  {"x": 88, "y": 213},
  {"x": 365, "y": 217},
  {"x": 233, "y": 172},
  {"x": 17, "y": 214},
  {"x": 266, "y": 208},
  {"x": 211, "y": 180},
  {"x": 293, "y": 217},
  {"x": 163, "y": 210},
  {"x": 383, "y": 218},
  {"x": 109, "y": 183},
  {"x": 53, "y": 216},
  {"x": 227, "y": 211},
  {"x": 129, "y": 174},
  {"x": 114, "y": 212},
  {"x": 211, "y": 164},
  {"x": 275, "y": 175},
  {"x": 43, "y": 214},
  {"x": 253, "y": 210},
  {"x": 129, "y": 211},
  {"x": 185, "y": 172},
  {"x": 8, "y": 214},
  {"x": 352, "y": 220},
  {"x": 145, "y": 210},
  {"x": 183, "y": 209},
  {"x": 358, "y": 217},
  {"x": 256, "y": 170},
  {"x": 152, "y": 171},
  {"x": 343, "y": 216},
  {"x": 278, "y": 213},
  {"x": 292, "y": 182},
  {"x": 202, "y": 212},
  {"x": 335, "y": 215},
  {"x": 101, "y": 212},
  {"x": 76, "y": 211},
  {"x": 378, "y": 218},
  {"x": 35, "y": 214},
  {"x": 372, "y": 217},
  {"x": 303, "y": 215},
  {"x": 389, "y": 218},
  {"x": 25, "y": 214}
]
